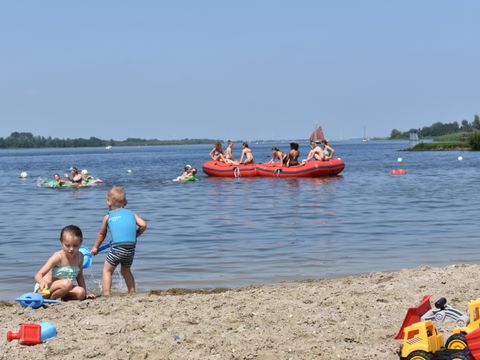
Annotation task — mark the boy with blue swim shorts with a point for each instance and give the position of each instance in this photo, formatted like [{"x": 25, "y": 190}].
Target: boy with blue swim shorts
[{"x": 124, "y": 227}]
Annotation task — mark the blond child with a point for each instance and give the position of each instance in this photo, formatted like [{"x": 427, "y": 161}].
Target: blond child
[{"x": 124, "y": 227}]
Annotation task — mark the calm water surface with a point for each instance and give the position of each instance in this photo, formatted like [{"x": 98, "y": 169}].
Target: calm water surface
[{"x": 234, "y": 232}]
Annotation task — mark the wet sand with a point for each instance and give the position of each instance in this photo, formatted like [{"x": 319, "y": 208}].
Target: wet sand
[{"x": 348, "y": 318}]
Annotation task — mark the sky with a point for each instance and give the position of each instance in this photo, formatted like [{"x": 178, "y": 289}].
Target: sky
[{"x": 251, "y": 69}]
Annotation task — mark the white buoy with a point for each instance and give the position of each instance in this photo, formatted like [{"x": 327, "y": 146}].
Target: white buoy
[
  {"x": 129, "y": 171},
  {"x": 399, "y": 159},
  {"x": 23, "y": 175},
  {"x": 460, "y": 158}
]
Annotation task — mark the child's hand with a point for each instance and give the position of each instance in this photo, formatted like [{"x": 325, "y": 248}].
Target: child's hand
[
  {"x": 43, "y": 285},
  {"x": 94, "y": 250},
  {"x": 90, "y": 296}
]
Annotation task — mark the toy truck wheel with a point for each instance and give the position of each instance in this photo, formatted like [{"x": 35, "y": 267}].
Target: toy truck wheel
[
  {"x": 460, "y": 356},
  {"x": 456, "y": 342},
  {"x": 420, "y": 355}
]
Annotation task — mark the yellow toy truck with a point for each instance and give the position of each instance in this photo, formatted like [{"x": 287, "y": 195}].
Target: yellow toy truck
[
  {"x": 422, "y": 341},
  {"x": 458, "y": 340}
]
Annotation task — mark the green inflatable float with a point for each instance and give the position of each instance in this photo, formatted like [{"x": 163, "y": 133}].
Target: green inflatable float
[{"x": 54, "y": 184}]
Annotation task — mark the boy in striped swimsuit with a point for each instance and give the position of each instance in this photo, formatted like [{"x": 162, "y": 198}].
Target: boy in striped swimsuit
[{"x": 124, "y": 226}]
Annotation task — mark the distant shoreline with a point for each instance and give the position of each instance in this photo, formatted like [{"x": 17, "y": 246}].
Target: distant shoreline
[
  {"x": 456, "y": 146},
  {"x": 26, "y": 140}
]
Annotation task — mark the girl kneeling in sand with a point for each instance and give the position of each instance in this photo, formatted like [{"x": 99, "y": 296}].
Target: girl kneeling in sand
[{"x": 57, "y": 275}]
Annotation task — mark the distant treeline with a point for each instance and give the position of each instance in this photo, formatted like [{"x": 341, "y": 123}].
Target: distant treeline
[
  {"x": 28, "y": 140},
  {"x": 439, "y": 129}
]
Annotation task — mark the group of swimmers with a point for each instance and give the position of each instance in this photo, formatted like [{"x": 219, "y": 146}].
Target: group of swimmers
[
  {"x": 75, "y": 178},
  {"x": 189, "y": 173},
  {"x": 319, "y": 152}
]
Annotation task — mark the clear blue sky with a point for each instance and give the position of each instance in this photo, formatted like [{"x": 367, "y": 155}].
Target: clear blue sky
[{"x": 236, "y": 69}]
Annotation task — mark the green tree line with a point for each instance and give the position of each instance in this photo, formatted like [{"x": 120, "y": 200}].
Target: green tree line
[
  {"x": 28, "y": 140},
  {"x": 439, "y": 129}
]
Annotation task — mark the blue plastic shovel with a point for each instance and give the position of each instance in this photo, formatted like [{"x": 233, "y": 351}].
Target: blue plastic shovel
[{"x": 87, "y": 255}]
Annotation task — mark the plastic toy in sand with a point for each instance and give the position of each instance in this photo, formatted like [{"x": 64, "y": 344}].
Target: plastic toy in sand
[
  {"x": 421, "y": 340},
  {"x": 87, "y": 255},
  {"x": 444, "y": 311},
  {"x": 33, "y": 334},
  {"x": 34, "y": 300}
]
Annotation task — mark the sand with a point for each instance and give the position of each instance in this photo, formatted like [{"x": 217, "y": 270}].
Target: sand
[{"x": 349, "y": 318}]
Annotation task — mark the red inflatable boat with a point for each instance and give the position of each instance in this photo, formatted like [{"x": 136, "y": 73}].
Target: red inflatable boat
[
  {"x": 218, "y": 168},
  {"x": 330, "y": 167},
  {"x": 310, "y": 169}
]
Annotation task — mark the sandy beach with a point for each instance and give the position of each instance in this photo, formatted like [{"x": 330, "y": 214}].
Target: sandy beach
[{"x": 348, "y": 318}]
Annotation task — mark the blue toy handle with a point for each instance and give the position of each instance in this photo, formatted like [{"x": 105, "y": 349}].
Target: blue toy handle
[
  {"x": 51, "y": 301},
  {"x": 87, "y": 255},
  {"x": 104, "y": 247}
]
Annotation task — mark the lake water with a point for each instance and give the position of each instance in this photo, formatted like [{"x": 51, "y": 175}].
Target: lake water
[{"x": 220, "y": 232}]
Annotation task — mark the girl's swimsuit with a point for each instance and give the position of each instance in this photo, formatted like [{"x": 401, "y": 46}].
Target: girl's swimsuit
[{"x": 65, "y": 272}]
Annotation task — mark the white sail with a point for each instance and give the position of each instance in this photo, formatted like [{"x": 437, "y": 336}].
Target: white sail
[
  {"x": 365, "y": 137},
  {"x": 414, "y": 139}
]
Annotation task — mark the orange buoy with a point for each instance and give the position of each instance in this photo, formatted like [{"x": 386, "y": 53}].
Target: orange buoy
[{"x": 398, "y": 172}]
